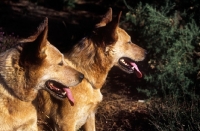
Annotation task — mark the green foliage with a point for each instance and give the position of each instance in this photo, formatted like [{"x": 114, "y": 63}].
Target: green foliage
[
  {"x": 171, "y": 42},
  {"x": 69, "y": 3},
  {"x": 171, "y": 45}
]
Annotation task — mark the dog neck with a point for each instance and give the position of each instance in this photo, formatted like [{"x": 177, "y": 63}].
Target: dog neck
[{"x": 90, "y": 60}]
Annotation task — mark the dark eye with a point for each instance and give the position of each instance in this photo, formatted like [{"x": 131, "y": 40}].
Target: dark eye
[
  {"x": 61, "y": 63},
  {"x": 129, "y": 42}
]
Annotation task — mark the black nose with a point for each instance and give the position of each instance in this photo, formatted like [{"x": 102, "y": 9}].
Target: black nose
[{"x": 81, "y": 76}]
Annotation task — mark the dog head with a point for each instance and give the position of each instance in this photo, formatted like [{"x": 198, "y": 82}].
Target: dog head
[
  {"x": 117, "y": 44},
  {"x": 45, "y": 67}
]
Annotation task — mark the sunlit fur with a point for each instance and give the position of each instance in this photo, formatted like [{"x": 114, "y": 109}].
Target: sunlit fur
[
  {"x": 23, "y": 71},
  {"x": 94, "y": 56}
]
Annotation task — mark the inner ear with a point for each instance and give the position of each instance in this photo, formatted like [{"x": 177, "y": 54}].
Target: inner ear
[
  {"x": 41, "y": 40},
  {"x": 34, "y": 47},
  {"x": 112, "y": 26},
  {"x": 111, "y": 30},
  {"x": 106, "y": 31},
  {"x": 106, "y": 19}
]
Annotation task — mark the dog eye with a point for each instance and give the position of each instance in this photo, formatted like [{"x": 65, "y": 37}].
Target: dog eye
[
  {"x": 61, "y": 63},
  {"x": 129, "y": 42}
]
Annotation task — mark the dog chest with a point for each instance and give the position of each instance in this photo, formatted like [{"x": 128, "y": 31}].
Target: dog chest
[
  {"x": 16, "y": 114},
  {"x": 86, "y": 110}
]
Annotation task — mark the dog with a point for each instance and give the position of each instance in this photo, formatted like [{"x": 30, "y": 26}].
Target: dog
[
  {"x": 31, "y": 65},
  {"x": 108, "y": 45}
]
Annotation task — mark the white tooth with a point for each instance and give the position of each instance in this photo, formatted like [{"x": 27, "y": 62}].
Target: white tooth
[
  {"x": 64, "y": 93},
  {"x": 124, "y": 62}
]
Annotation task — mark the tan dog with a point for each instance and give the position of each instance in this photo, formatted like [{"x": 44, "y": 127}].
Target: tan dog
[
  {"x": 94, "y": 56},
  {"x": 32, "y": 65}
]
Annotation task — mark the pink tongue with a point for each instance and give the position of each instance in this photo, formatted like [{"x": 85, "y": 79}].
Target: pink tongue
[
  {"x": 137, "y": 72},
  {"x": 69, "y": 95}
]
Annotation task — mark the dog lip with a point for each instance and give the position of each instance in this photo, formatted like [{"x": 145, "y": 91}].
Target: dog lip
[
  {"x": 129, "y": 66},
  {"x": 124, "y": 63},
  {"x": 57, "y": 88}
]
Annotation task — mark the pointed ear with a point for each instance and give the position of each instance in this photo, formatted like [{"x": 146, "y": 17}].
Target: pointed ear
[
  {"x": 33, "y": 48},
  {"x": 115, "y": 21},
  {"x": 111, "y": 28},
  {"x": 106, "y": 31},
  {"x": 106, "y": 19},
  {"x": 41, "y": 40}
]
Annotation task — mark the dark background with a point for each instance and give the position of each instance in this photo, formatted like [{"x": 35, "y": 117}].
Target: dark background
[{"x": 120, "y": 109}]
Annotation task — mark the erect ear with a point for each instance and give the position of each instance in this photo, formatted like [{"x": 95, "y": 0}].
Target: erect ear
[
  {"x": 111, "y": 28},
  {"x": 106, "y": 19},
  {"x": 34, "y": 46},
  {"x": 41, "y": 40},
  {"x": 106, "y": 29}
]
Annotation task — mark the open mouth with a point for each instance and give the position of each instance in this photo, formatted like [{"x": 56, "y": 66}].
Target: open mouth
[
  {"x": 59, "y": 90},
  {"x": 129, "y": 66}
]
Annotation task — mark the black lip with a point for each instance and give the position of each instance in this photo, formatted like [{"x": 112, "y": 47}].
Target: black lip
[
  {"x": 126, "y": 67},
  {"x": 56, "y": 89}
]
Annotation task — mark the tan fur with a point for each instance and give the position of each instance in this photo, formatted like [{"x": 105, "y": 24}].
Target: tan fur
[
  {"x": 94, "y": 56},
  {"x": 23, "y": 71}
]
